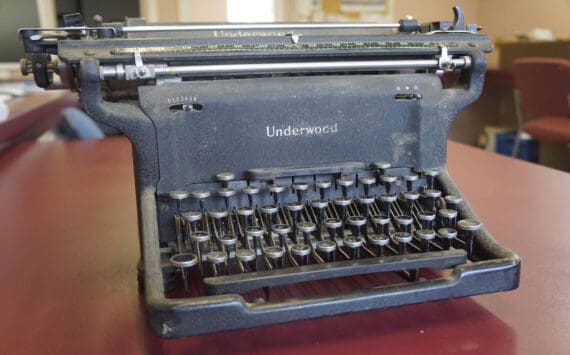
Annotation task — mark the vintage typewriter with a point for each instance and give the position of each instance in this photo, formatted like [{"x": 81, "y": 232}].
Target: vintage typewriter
[{"x": 286, "y": 171}]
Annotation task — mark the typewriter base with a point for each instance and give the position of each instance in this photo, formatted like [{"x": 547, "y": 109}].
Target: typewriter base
[{"x": 493, "y": 269}]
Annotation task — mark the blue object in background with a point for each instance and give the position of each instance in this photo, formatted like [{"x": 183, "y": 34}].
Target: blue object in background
[{"x": 528, "y": 149}]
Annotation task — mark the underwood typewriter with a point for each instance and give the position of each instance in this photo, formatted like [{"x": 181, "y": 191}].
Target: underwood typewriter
[{"x": 286, "y": 171}]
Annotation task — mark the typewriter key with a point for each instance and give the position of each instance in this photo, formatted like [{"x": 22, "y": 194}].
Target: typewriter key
[
  {"x": 453, "y": 201},
  {"x": 218, "y": 261},
  {"x": 322, "y": 185},
  {"x": 275, "y": 257},
  {"x": 201, "y": 195},
  {"x": 403, "y": 238},
  {"x": 409, "y": 179},
  {"x": 357, "y": 223},
  {"x": 319, "y": 208},
  {"x": 294, "y": 209},
  {"x": 366, "y": 182},
  {"x": 380, "y": 241},
  {"x": 282, "y": 231},
  {"x": 250, "y": 191},
  {"x": 226, "y": 193},
  {"x": 225, "y": 178},
  {"x": 382, "y": 167},
  {"x": 344, "y": 182},
  {"x": 447, "y": 234},
  {"x": 409, "y": 198},
  {"x": 364, "y": 203},
  {"x": 382, "y": 223},
  {"x": 342, "y": 204},
  {"x": 334, "y": 226},
  {"x": 447, "y": 218},
  {"x": 326, "y": 249},
  {"x": 425, "y": 235},
  {"x": 218, "y": 215},
  {"x": 468, "y": 228},
  {"x": 178, "y": 196},
  {"x": 307, "y": 228},
  {"x": 255, "y": 233},
  {"x": 229, "y": 241},
  {"x": 246, "y": 258},
  {"x": 388, "y": 181},
  {"x": 200, "y": 241},
  {"x": 300, "y": 253},
  {"x": 276, "y": 189},
  {"x": 353, "y": 244},
  {"x": 426, "y": 219},
  {"x": 299, "y": 188},
  {"x": 183, "y": 262},
  {"x": 269, "y": 211},
  {"x": 430, "y": 197},
  {"x": 430, "y": 175},
  {"x": 387, "y": 200},
  {"x": 404, "y": 223}
]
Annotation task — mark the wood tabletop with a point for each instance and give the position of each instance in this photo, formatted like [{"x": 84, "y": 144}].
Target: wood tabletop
[{"x": 70, "y": 249}]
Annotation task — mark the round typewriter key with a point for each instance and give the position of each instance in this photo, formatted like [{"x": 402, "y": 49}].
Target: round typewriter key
[
  {"x": 430, "y": 175},
  {"x": 429, "y": 199},
  {"x": 225, "y": 176},
  {"x": 319, "y": 207},
  {"x": 344, "y": 182},
  {"x": 387, "y": 200},
  {"x": 382, "y": 223},
  {"x": 425, "y": 235},
  {"x": 403, "y": 238},
  {"x": 307, "y": 228},
  {"x": 380, "y": 241},
  {"x": 468, "y": 228},
  {"x": 382, "y": 167},
  {"x": 255, "y": 233},
  {"x": 178, "y": 196},
  {"x": 191, "y": 219},
  {"x": 364, "y": 202},
  {"x": 353, "y": 244},
  {"x": 334, "y": 226},
  {"x": 218, "y": 215},
  {"x": 356, "y": 223},
  {"x": 282, "y": 231},
  {"x": 448, "y": 217},
  {"x": 447, "y": 234},
  {"x": 388, "y": 181},
  {"x": 226, "y": 193},
  {"x": 326, "y": 249},
  {"x": 301, "y": 253},
  {"x": 294, "y": 209},
  {"x": 453, "y": 201},
  {"x": 404, "y": 223},
  {"x": 229, "y": 241},
  {"x": 245, "y": 215},
  {"x": 269, "y": 211},
  {"x": 276, "y": 189},
  {"x": 299, "y": 188},
  {"x": 247, "y": 259},
  {"x": 366, "y": 182},
  {"x": 409, "y": 179},
  {"x": 322, "y": 185},
  {"x": 250, "y": 191},
  {"x": 409, "y": 198},
  {"x": 274, "y": 256},
  {"x": 426, "y": 219},
  {"x": 183, "y": 262},
  {"x": 201, "y": 195},
  {"x": 218, "y": 260},
  {"x": 342, "y": 204}
]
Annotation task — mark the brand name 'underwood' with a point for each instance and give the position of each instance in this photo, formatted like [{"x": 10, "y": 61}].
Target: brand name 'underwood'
[{"x": 289, "y": 131}]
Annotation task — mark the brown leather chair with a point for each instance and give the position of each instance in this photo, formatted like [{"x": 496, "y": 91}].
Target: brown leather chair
[{"x": 543, "y": 86}]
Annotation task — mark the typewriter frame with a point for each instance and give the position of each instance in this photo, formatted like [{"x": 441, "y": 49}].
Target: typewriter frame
[{"x": 493, "y": 267}]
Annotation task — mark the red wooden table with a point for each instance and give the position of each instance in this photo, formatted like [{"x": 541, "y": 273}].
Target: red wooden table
[{"x": 69, "y": 254}]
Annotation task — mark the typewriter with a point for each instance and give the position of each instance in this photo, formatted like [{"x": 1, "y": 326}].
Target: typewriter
[{"x": 286, "y": 171}]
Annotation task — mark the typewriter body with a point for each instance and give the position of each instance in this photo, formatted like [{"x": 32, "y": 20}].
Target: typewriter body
[{"x": 286, "y": 171}]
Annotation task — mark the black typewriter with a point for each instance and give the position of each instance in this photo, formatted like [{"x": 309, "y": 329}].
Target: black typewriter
[{"x": 286, "y": 171}]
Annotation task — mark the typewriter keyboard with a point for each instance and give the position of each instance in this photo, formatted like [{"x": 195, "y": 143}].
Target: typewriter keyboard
[{"x": 239, "y": 236}]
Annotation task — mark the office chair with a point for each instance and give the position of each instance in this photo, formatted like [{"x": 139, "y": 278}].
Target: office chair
[{"x": 543, "y": 91}]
